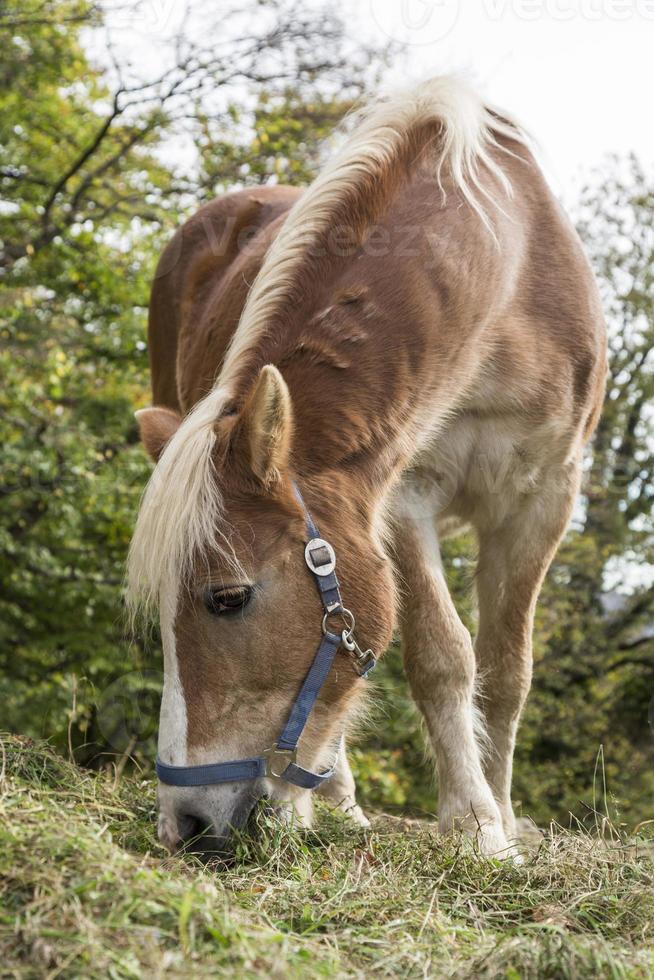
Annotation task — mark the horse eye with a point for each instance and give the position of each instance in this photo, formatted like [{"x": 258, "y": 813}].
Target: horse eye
[{"x": 220, "y": 602}]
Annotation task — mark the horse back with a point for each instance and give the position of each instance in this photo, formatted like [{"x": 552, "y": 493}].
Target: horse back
[
  {"x": 200, "y": 286},
  {"x": 511, "y": 321}
]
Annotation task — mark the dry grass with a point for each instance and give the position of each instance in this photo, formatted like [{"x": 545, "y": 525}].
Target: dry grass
[{"x": 85, "y": 891}]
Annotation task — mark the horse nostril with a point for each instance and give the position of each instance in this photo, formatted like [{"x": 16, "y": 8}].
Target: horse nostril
[{"x": 192, "y": 827}]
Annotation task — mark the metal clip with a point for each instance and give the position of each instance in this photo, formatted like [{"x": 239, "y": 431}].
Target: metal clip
[
  {"x": 278, "y": 760},
  {"x": 364, "y": 660}
]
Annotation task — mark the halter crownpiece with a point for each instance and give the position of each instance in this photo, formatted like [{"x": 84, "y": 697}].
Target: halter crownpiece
[{"x": 280, "y": 760}]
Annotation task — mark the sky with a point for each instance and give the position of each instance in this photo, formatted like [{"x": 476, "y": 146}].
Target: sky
[{"x": 579, "y": 74}]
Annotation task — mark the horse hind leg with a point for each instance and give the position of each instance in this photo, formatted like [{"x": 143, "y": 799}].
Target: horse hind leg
[{"x": 440, "y": 666}]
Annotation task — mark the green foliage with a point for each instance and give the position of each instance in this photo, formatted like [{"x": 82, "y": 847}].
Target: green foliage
[
  {"x": 281, "y": 141},
  {"x": 73, "y": 361}
]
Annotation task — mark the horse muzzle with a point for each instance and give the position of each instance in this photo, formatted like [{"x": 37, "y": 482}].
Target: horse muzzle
[{"x": 202, "y": 819}]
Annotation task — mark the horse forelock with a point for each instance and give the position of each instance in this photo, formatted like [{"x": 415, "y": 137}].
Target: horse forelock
[{"x": 181, "y": 514}]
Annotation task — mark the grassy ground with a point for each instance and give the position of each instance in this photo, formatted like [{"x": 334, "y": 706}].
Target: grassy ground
[{"x": 85, "y": 891}]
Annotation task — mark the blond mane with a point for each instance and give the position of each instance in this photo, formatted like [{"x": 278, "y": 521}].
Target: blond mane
[{"x": 181, "y": 510}]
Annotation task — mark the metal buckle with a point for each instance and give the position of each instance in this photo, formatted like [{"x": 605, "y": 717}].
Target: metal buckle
[
  {"x": 320, "y": 557},
  {"x": 275, "y": 756},
  {"x": 364, "y": 660}
]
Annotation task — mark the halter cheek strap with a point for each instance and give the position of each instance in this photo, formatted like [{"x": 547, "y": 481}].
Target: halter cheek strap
[{"x": 280, "y": 759}]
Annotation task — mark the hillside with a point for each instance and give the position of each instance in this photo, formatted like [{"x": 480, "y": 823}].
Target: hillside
[{"x": 85, "y": 890}]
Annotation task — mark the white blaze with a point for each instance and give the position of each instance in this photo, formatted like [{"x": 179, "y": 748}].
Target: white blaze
[{"x": 172, "y": 718}]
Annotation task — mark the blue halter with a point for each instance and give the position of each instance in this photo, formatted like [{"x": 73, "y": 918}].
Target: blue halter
[{"x": 280, "y": 760}]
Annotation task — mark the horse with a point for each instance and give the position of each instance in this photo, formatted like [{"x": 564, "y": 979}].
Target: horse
[{"x": 342, "y": 376}]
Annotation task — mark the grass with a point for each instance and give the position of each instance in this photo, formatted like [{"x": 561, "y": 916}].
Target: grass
[{"x": 86, "y": 891}]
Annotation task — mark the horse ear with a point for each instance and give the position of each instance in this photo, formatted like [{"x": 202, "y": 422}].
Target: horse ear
[
  {"x": 267, "y": 420},
  {"x": 157, "y": 426}
]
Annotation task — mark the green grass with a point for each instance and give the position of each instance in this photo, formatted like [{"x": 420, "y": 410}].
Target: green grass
[{"x": 86, "y": 891}]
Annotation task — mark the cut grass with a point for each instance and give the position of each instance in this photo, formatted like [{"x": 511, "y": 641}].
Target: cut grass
[{"x": 85, "y": 890}]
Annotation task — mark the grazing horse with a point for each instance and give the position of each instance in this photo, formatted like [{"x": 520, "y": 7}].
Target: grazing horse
[{"x": 411, "y": 345}]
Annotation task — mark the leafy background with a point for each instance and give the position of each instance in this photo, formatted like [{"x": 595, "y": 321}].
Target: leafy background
[{"x": 89, "y": 193}]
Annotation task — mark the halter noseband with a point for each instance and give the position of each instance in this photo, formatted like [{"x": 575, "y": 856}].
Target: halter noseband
[{"x": 280, "y": 759}]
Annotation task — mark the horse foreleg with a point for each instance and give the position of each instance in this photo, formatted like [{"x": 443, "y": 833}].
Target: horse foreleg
[
  {"x": 440, "y": 666},
  {"x": 513, "y": 559},
  {"x": 340, "y": 790}
]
